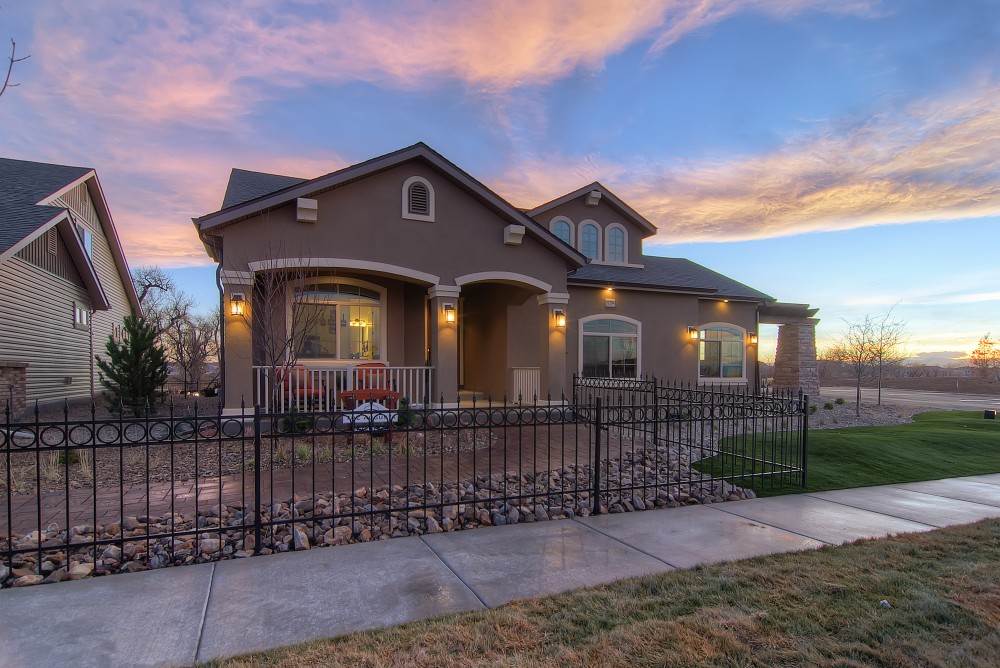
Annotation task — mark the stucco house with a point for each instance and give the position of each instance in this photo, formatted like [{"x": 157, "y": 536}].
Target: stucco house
[
  {"x": 64, "y": 281},
  {"x": 407, "y": 261}
]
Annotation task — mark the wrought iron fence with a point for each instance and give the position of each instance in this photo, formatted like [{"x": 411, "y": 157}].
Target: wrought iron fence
[{"x": 104, "y": 495}]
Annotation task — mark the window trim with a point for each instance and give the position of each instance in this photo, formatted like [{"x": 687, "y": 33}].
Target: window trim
[
  {"x": 598, "y": 256},
  {"x": 572, "y": 229},
  {"x": 81, "y": 316},
  {"x": 431, "y": 204},
  {"x": 607, "y": 243},
  {"x": 607, "y": 316},
  {"x": 383, "y": 303},
  {"x": 718, "y": 380}
]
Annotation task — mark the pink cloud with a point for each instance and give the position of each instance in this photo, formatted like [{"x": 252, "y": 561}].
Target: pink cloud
[
  {"x": 210, "y": 63},
  {"x": 938, "y": 160}
]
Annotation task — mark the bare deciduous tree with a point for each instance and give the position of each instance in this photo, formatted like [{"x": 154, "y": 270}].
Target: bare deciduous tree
[
  {"x": 986, "y": 357},
  {"x": 868, "y": 347},
  {"x": 279, "y": 321},
  {"x": 888, "y": 346}
]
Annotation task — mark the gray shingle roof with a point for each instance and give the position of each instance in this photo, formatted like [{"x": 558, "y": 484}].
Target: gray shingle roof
[
  {"x": 22, "y": 184},
  {"x": 245, "y": 186},
  {"x": 668, "y": 273}
]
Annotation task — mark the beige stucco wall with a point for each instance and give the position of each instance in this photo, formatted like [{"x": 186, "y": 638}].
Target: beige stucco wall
[
  {"x": 363, "y": 220},
  {"x": 667, "y": 351}
]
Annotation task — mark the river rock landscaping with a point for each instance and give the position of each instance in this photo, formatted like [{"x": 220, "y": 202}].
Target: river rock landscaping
[{"x": 137, "y": 543}]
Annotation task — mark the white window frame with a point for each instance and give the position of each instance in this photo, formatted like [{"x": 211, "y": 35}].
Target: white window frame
[
  {"x": 429, "y": 217},
  {"x": 599, "y": 256},
  {"x": 607, "y": 244},
  {"x": 81, "y": 316},
  {"x": 383, "y": 317},
  {"x": 572, "y": 229},
  {"x": 606, "y": 316},
  {"x": 715, "y": 380}
]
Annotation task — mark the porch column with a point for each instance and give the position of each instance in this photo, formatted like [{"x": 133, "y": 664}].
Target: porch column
[
  {"x": 553, "y": 380},
  {"x": 237, "y": 383},
  {"x": 795, "y": 361},
  {"x": 444, "y": 341}
]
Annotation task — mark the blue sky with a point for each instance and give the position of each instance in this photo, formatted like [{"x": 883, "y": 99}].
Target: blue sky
[{"x": 846, "y": 157}]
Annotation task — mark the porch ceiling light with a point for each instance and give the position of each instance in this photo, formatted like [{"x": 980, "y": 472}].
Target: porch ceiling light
[
  {"x": 237, "y": 303},
  {"x": 560, "y": 316},
  {"x": 693, "y": 333},
  {"x": 449, "y": 313}
]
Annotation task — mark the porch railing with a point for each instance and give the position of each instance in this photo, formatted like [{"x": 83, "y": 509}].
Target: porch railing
[{"x": 303, "y": 388}]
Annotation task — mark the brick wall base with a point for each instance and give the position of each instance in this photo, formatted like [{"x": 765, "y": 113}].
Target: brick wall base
[{"x": 13, "y": 387}]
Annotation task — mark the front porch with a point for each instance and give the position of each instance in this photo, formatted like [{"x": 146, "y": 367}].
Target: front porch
[{"x": 305, "y": 338}]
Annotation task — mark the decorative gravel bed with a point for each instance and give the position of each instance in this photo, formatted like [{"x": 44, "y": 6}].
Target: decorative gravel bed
[{"x": 380, "y": 513}]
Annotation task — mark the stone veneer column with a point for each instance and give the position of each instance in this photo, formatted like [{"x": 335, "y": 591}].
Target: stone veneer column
[
  {"x": 13, "y": 387},
  {"x": 795, "y": 362},
  {"x": 552, "y": 361},
  {"x": 444, "y": 342}
]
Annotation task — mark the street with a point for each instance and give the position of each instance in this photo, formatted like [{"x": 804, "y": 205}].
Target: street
[{"x": 918, "y": 398}]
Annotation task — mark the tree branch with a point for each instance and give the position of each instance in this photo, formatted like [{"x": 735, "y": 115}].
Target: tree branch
[{"x": 10, "y": 67}]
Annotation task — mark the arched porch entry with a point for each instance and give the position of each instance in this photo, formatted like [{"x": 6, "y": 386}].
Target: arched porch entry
[{"x": 505, "y": 326}]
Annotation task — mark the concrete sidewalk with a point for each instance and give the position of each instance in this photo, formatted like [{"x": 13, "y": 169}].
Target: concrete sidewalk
[{"x": 179, "y": 615}]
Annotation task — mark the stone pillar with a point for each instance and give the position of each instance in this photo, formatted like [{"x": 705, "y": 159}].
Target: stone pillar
[
  {"x": 238, "y": 380},
  {"x": 13, "y": 388},
  {"x": 444, "y": 342},
  {"x": 795, "y": 365},
  {"x": 552, "y": 361}
]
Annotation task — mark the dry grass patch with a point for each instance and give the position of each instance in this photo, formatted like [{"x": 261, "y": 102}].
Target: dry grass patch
[{"x": 817, "y": 608}]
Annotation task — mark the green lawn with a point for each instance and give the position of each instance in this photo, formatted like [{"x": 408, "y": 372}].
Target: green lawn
[
  {"x": 815, "y": 608},
  {"x": 936, "y": 445}
]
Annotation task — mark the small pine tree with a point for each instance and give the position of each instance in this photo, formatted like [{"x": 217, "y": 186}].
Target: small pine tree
[{"x": 136, "y": 367}]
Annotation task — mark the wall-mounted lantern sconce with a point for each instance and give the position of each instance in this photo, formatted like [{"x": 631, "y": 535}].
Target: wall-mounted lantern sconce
[
  {"x": 237, "y": 303},
  {"x": 753, "y": 338},
  {"x": 693, "y": 333},
  {"x": 560, "y": 316},
  {"x": 449, "y": 313}
]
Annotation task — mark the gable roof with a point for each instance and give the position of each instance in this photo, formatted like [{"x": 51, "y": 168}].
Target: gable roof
[
  {"x": 246, "y": 185},
  {"x": 23, "y": 186},
  {"x": 419, "y": 151},
  {"x": 26, "y": 190},
  {"x": 606, "y": 196},
  {"x": 668, "y": 273}
]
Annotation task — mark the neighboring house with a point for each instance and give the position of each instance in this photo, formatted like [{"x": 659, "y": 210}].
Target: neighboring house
[
  {"x": 409, "y": 261},
  {"x": 64, "y": 283}
]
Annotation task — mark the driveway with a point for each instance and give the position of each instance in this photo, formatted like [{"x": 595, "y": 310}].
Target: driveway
[{"x": 916, "y": 398}]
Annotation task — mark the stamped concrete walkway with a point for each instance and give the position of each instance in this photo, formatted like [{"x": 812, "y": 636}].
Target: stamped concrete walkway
[{"x": 177, "y": 616}]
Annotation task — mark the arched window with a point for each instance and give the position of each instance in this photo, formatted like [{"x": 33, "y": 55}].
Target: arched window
[
  {"x": 609, "y": 347},
  {"x": 590, "y": 241},
  {"x": 562, "y": 228},
  {"x": 336, "y": 321},
  {"x": 616, "y": 244},
  {"x": 418, "y": 199},
  {"x": 722, "y": 352}
]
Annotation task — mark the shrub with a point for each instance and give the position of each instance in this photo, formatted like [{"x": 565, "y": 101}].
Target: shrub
[
  {"x": 812, "y": 408},
  {"x": 136, "y": 367},
  {"x": 840, "y": 401},
  {"x": 828, "y": 406}
]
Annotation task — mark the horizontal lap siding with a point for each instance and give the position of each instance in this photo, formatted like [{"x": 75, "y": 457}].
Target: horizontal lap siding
[
  {"x": 103, "y": 322},
  {"x": 36, "y": 326}
]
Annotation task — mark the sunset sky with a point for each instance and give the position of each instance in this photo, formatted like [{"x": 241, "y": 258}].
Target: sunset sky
[{"x": 845, "y": 157}]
